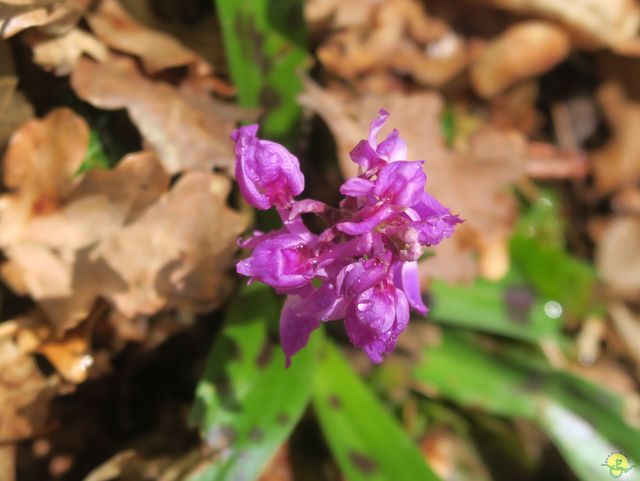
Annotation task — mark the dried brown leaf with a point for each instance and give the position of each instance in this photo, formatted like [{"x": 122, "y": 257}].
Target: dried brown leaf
[
  {"x": 525, "y": 50},
  {"x": 612, "y": 23},
  {"x": 24, "y": 392},
  {"x": 61, "y": 53},
  {"x": 616, "y": 164},
  {"x": 156, "y": 50},
  {"x": 397, "y": 36},
  {"x": 618, "y": 256},
  {"x": 179, "y": 252},
  {"x": 15, "y": 109},
  {"x": 185, "y": 129},
  {"x": 52, "y": 217}
]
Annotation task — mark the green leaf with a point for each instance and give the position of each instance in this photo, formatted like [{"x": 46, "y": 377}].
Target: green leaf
[
  {"x": 247, "y": 403},
  {"x": 556, "y": 274},
  {"x": 265, "y": 45},
  {"x": 364, "y": 438},
  {"x": 95, "y": 158},
  {"x": 498, "y": 308},
  {"x": 538, "y": 252},
  {"x": 460, "y": 370}
]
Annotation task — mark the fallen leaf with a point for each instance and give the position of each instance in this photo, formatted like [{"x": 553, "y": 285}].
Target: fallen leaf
[
  {"x": 52, "y": 217},
  {"x": 157, "y": 51},
  {"x": 618, "y": 256},
  {"x": 24, "y": 392},
  {"x": 612, "y": 23},
  {"x": 19, "y": 15},
  {"x": 186, "y": 132},
  {"x": 395, "y": 37},
  {"x": 61, "y": 53},
  {"x": 524, "y": 50},
  {"x": 16, "y": 109},
  {"x": 616, "y": 164},
  {"x": 179, "y": 252}
]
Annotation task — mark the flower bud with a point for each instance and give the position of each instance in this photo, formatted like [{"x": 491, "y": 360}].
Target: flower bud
[{"x": 267, "y": 173}]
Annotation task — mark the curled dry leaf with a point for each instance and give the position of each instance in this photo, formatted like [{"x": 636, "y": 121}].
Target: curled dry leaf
[
  {"x": 618, "y": 256},
  {"x": 616, "y": 164},
  {"x": 179, "y": 252},
  {"x": 394, "y": 36},
  {"x": 51, "y": 217},
  {"x": 61, "y": 53},
  {"x": 184, "y": 129},
  {"x": 612, "y": 23},
  {"x": 18, "y": 15},
  {"x": 482, "y": 175},
  {"x": 525, "y": 50},
  {"x": 157, "y": 51},
  {"x": 14, "y": 107},
  {"x": 24, "y": 392}
]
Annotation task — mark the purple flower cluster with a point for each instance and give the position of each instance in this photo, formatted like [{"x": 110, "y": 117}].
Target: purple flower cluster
[{"x": 363, "y": 267}]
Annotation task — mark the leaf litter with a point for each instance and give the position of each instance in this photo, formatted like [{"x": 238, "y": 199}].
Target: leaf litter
[{"x": 110, "y": 258}]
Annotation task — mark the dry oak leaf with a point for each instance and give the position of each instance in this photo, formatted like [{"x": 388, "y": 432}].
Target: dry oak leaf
[
  {"x": 18, "y": 15},
  {"x": 61, "y": 53},
  {"x": 618, "y": 256},
  {"x": 15, "y": 109},
  {"x": 157, "y": 51},
  {"x": 397, "y": 36},
  {"x": 49, "y": 256},
  {"x": 24, "y": 392},
  {"x": 475, "y": 184},
  {"x": 51, "y": 217},
  {"x": 524, "y": 50},
  {"x": 179, "y": 252},
  {"x": 612, "y": 23},
  {"x": 187, "y": 134},
  {"x": 616, "y": 164}
]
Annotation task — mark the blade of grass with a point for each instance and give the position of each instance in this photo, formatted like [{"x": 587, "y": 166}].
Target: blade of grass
[
  {"x": 365, "y": 439},
  {"x": 247, "y": 403},
  {"x": 495, "y": 382},
  {"x": 265, "y": 46}
]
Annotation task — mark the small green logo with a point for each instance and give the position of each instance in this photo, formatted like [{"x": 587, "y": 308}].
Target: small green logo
[{"x": 618, "y": 464}]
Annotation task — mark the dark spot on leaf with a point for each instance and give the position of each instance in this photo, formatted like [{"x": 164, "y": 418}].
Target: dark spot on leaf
[
  {"x": 270, "y": 98},
  {"x": 282, "y": 418},
  {"x": 534, "y": 382},
  {"x": 265, "y": 354},
  {"x": 256, "y": 435},
  {"x": 519, "y": 300},
  {"x": 335, "y": 402},
  {"x": 363, "y": 463}
]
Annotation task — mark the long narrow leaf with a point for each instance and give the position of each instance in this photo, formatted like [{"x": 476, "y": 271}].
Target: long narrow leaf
[
  {"x": 247, "y": 403},
  {"x": 367, "y": 442}
]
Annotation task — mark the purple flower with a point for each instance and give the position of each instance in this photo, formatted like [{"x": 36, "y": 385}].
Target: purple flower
[
  {"x": 368, "y": 154},
  {"x": 283, "y": 262},
  {"x": 267, "y": 173},
  {"x": 376, "y": 318},
  {"x": 363, "y": 267},
  {"x": 399, "y": 185}
]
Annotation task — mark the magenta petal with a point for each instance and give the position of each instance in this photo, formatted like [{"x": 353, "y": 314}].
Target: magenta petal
[
  {"x": 282, "y": 262},
  {"x": 406, "y": 279},
  {"x": 376, "y": 126},
  {"x": 267, "y": 173},
  {"x": 368, "y": 223},
  {"x": 296, "y": 325},
  {"x": 393, "y": 148},
  {"x": 435, "y": 221},
  {"x": 356, "y": 187},
  {"x": 401, "y": 182}
]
